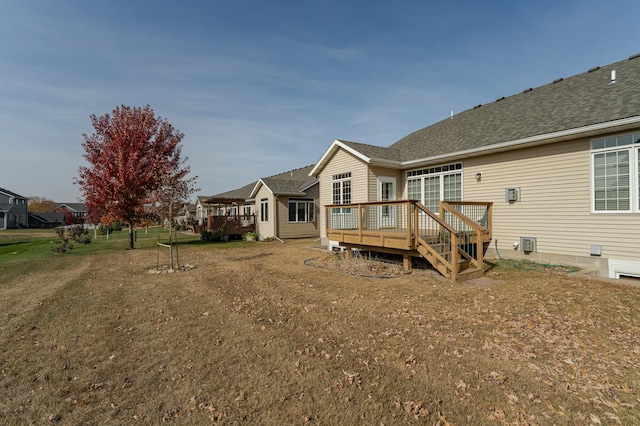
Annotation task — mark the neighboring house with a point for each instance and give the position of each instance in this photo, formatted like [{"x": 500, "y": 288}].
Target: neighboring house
[
  {"x": 286, "y": 205},
  {"x": 230, "y": 212},
  {"x": 559, "y": 163},
  {"x": 13, "y": 210},
  {"x": 280, "y": 206},
  {"x": 187, "y": 214},
  {"x": 76, "y": 210},
  {"x": 201, "y": 209},
  {"x": 47, "y": 220}
]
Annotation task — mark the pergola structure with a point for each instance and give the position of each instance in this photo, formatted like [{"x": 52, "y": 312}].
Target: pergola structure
[{"x": 232, "y": 221}]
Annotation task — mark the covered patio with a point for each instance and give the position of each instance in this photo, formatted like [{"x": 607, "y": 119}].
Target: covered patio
[{"x": 228, "y": 218}]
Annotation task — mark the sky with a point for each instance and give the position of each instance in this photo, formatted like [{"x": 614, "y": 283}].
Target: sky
[{"x": 260, "y": 87}]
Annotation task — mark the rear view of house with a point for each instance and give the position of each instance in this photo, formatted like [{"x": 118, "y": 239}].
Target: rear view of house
[
  {"x": 558, "y": 167},
  {"x": 286, "y": 205},
  {"x": 279, "y": 206},
  {"x": 13, "y": 210}
]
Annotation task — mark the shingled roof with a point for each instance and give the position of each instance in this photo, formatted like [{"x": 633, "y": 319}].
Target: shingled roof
[
  {"x": 293, "y": 182},
  {"x": 11, "y": 194},
  {"x": 583, "y": 100},
  {"x": 235, "y": 194},
  {"x": 561, "y": 109}
]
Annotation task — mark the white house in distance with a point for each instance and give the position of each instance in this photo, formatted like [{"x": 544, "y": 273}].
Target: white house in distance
[{"x": 555, "y": 169}]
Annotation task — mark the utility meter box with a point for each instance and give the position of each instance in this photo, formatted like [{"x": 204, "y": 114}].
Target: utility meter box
[
  {"x": 528, "y": 245},
  {"x": 511, "y": 195}
]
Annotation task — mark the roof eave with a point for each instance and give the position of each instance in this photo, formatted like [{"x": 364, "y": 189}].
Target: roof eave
[
  {"x": 256, "y": 187},
  {"x": 383, "y": 162},
  {"x": 335, "y": 145},
  {"x": 585, "y": 131},
  {"x": 304, "y": 188}
]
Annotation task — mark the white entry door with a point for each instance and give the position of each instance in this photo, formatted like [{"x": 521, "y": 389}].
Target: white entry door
[{"x": 387, "y": 192}]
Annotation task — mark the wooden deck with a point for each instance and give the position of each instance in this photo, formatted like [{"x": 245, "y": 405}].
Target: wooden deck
[
  {"x": 232, "y": 225},
  {"x": 453, "y": 241}
]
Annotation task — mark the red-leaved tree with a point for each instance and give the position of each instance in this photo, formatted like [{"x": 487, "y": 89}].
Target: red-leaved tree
[{"x": 132, "y": 156}]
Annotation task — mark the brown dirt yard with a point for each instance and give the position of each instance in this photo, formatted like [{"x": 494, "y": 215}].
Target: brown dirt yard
[{"x": 254, "y": 335}]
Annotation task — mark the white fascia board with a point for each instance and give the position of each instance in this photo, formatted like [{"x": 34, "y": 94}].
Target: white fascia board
[
  {"x": 392, "y": 164},
  {"x": 255, "y": 189},
  {"x": 531, "y": 141},
  {"x": 352, "y": 151},
  {"x": 288, "y": 194},
  {"x": 304, "y": 188},
  {"x": 337, "y": 143}
]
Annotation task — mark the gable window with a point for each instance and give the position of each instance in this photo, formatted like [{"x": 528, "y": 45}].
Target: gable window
[
  {"x": 301, "y": 210},
  {"x": 264, "y": 210},
  {"x": 615, "y": 171},
  {"x": 434, "y": 184},
  {"x": 341, "y": 191},
  {"x": 341, "y": 185}
]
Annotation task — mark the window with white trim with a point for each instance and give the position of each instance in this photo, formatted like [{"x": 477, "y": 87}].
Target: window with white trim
[
  {"x": 264, "y": 210},
  {"x": 341, "y": 185},
  {"x": 433, "y": 184},
  {"x": 341, "y": 190},
  {"x": 301, "y": 210},
  {"x": 615, "y": 174}
]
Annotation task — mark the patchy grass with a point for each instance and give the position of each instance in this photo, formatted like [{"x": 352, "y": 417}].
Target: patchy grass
[{"x": 253, "y": 335}]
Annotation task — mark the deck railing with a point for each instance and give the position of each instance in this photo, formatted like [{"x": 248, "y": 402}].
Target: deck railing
[
  {"x": 455, "y": 236},
  {"x": 472, "y": 220},
  {"x": 232, "y": 224}
]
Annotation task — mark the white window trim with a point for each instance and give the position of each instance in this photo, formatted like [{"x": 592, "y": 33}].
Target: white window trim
[
  {"x": 441, "y": 174},
  {"x": 306, "y": 201},
  {"x": 264, "y": 210},
  {"x": 387, "y": 179},
  {"x": 634, "y": 184},
  {"x": 341, "y": 180}
]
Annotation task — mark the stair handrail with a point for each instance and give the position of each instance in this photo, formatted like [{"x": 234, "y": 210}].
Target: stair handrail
[
  {"x": 433, "y": 216},
  {"x": 479, "y": 230},
  {"x": 451, "y": 265}
]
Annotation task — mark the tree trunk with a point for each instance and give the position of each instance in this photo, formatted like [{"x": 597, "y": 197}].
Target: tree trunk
[{"x": 131, "y": 247}]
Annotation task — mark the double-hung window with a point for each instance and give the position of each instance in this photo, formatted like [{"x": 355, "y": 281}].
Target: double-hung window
[
  {"x": 433, "y": 184},
  {"x": 615, "y": 171},
  {"x": 301, "y": 210},
  {"x": 342, "y": 218},
  {"x": 264, "y": 210},
  {"x": 341, "y": 185}
]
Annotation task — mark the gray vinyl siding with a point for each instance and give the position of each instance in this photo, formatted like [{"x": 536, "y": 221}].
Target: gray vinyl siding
[
  {"x": 555, "y": 206},
  {"x": 341, "y": 162},
  {"x": 17, "y": 214}
]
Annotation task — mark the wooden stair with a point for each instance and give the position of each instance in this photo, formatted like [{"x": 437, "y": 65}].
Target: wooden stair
[{"x": 465, "y": 270}]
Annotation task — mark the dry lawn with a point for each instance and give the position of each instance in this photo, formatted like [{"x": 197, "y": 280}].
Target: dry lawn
[{"x": 253, "y": 335}]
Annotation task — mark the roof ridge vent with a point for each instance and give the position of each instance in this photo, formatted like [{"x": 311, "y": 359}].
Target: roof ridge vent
[
  {"x": 594, "y": 69},
  {"x": 477, "y": 106},
  {"x": 499, "y": 99},
  {"x": 558, "y": 80},
  {"x": 527, "y": 90},
  {"x": 637, "y": 55}
]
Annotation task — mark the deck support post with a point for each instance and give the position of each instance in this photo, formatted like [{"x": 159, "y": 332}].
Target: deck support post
[{"x": 406, "y": 262}]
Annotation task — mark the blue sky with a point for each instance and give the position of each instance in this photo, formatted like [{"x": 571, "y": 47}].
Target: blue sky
[{"x": 261, "y": 87}]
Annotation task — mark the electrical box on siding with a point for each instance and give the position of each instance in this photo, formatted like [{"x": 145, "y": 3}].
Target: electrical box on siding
[
  {"x": 512, "y": 195},
  {"x": 528, "y": 244}
]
